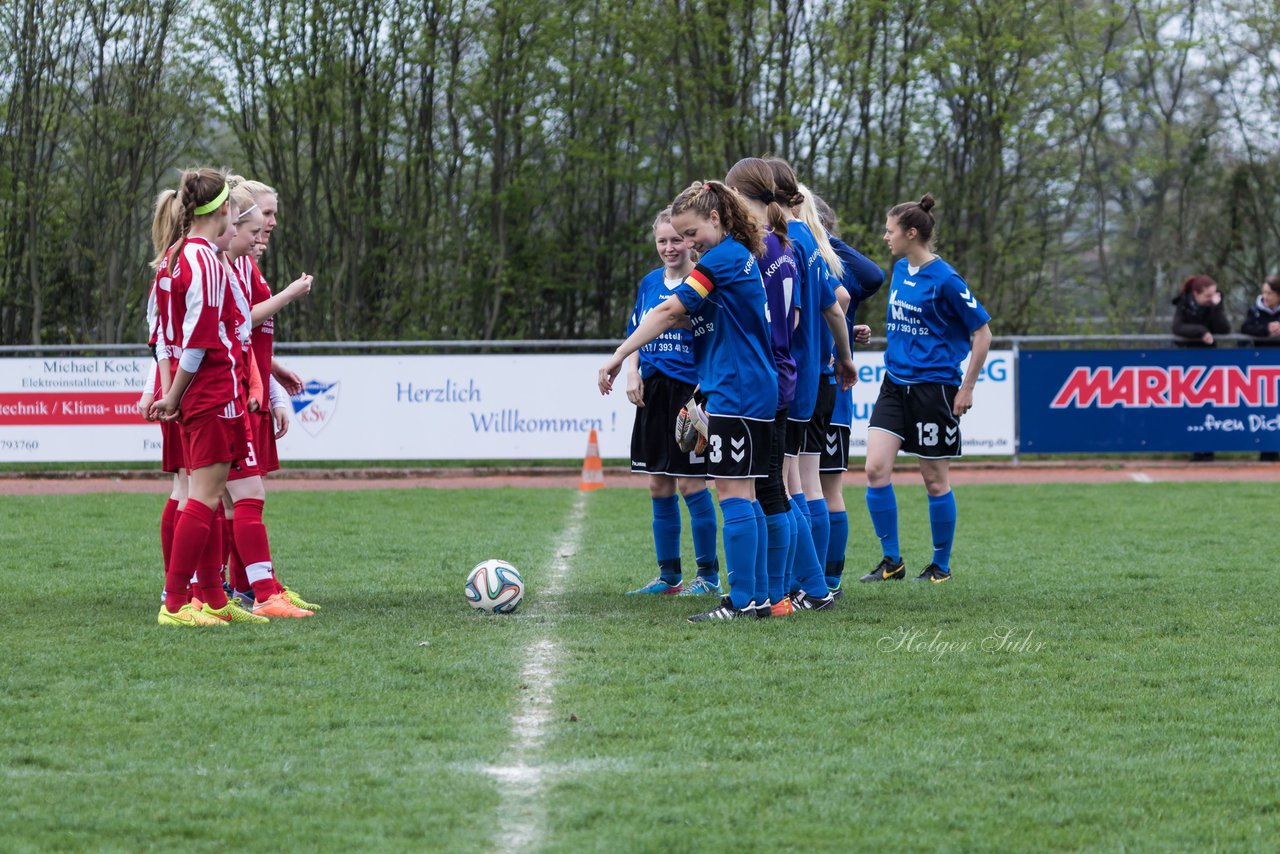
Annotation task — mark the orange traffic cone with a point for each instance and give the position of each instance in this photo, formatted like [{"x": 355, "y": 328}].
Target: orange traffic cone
[{"x": 592, "y": 467}]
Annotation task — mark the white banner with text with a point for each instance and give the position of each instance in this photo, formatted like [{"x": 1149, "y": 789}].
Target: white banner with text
[{"x": 457, "y": 407}]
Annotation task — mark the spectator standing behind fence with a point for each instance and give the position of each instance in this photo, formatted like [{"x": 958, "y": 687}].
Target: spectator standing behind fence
[
  {"x": 1198, "y": 315},
  {"x": 1263, "y": 320},
  {"x": 1263, "y": 324}
]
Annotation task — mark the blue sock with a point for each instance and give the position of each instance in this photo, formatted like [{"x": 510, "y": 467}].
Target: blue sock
[
  {"x": 820, "y": 526},
  {"x": 779, "y": 526},
  {"x": 702, "y": 519},
  {"x": 799, "y": 502},
  {"x": 739, "y": 548},
  {"x": 799, "y": 525},
  {"x": 793, "y": 535},
  {"x": 666, "y": 537},
  {"x": 762, "y": 556},
  {"x": 883, "y": 506},
  {"x": 942, "y": 522},
  {"x": 808, "y": 575},
  {"x": 836, "y": 546}
]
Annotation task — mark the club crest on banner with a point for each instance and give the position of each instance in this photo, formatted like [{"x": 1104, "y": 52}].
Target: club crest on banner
[{"x": 316, "y": 405}]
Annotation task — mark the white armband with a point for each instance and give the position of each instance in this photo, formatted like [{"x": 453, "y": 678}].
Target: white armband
[{"x": 191, "y": 359}]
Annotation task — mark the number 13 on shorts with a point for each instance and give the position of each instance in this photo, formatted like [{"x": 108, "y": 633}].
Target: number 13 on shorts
[{"x": 926, "y": 434}]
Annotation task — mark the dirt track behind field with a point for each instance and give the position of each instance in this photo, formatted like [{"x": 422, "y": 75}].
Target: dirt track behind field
[{"x": 962, "y": 473}]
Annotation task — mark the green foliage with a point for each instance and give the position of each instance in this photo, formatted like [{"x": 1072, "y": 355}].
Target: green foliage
[{"x": 454, "y": 169}]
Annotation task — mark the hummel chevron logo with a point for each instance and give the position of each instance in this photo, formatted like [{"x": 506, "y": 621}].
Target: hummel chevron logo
[
  {"x": 833, "y": 444},
  {"x": 951, "y": 434},
  {"x": 969, "y": 300},
  {"x": 738, "y": 455},
  {"x": 739, "y": 442}
]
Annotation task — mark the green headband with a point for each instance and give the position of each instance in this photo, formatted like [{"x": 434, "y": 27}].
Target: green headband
[{"x": 210, "y": 207}]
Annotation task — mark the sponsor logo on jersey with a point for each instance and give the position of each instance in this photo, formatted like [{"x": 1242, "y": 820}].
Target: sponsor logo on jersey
[
  {"x": 899, "y": 308},
  {"x": 316, "y": 405}
]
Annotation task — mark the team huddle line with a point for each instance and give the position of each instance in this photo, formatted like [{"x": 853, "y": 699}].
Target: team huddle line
[
  {"x": 739, "y": 363},
  {"x": 220, "y": 398}
]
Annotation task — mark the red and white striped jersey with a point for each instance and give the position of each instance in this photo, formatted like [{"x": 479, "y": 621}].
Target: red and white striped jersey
[
  {"x": 159, "y": 329},
  {"x": 202, "y": 314}
]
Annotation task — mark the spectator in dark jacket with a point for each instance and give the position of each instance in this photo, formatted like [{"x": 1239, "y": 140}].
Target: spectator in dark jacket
[
  {"x": 1263, "y": 320},
  {"x": 1263, "y": 323},
  {"x": 1198, "y": 314}
]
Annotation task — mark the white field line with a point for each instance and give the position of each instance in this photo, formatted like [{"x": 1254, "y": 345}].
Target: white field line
[
  {"x": 1141, "y": 477},
  {"x": 522, "y": 780}
]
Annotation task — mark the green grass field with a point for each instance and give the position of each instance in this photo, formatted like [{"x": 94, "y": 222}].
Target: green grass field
[{"x": 1099, "y": 675}]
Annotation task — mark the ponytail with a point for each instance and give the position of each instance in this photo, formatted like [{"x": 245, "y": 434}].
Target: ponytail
[
  {"x": 703, "y": 197},
  {"x": 752, "y": 177},
  {"x": 166, "y": 225},
  {"x": 807, "y": 212}
]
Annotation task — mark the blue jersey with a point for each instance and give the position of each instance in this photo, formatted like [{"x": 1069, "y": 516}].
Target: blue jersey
[
  {"x": 671, "y": 353},
  {"x": 816, "y": 295},
  {"x": 931, "y": 316},
  {"x": 726, "y": 301},
  {"x": 862, "y": 278},
  {"x": 780, "y": 274}
]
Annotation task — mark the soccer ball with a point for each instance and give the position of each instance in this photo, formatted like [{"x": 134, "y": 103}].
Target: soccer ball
[{"x": 495, "y": 587}]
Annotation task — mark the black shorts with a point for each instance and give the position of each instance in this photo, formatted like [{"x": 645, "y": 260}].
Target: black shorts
[
  {"x": 794, "y": 439},
  {"x": 653, "y": 438},
  {"x": 772, "y": 491},
  {"x": 737, "y": 447},
  {"x": 835, "y": 449},
  {"x": 815, "y": 434},
  {"x": 920, "y": 415}
]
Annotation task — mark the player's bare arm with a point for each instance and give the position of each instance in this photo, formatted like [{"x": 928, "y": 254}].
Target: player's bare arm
[
  {"x": 981, "y": 346},
  {"x": 635, "y": 383},
  {"x": 664, "y": 317},
  {"x": 297, "y": 289},
  {"x": 834, "y": 315}
]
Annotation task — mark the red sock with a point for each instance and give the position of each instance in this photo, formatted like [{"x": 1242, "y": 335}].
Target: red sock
[
  {"x": 209, "y": 571},
  {"x": 190, "y": 535},
  {"x": 255, "y": 551},
  {"x": 168, "y": 521},
  {"x": 223, "y": 532}
]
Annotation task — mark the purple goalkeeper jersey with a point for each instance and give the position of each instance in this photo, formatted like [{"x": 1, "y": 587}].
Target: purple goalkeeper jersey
[{"x": 779, "y": 271}]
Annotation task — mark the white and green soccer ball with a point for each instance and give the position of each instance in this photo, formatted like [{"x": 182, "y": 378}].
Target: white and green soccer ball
[{"x": 494, "y": 587}]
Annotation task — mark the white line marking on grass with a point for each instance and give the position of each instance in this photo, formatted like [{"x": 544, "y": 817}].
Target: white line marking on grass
[
  {"x": 1141, "y": 477},
  {"x": 523, "y": 779}
]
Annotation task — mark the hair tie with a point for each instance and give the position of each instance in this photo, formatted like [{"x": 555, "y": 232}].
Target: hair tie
[
  {"x": 767, "y": 197},
  {"x": 210, "y": 207}
]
